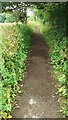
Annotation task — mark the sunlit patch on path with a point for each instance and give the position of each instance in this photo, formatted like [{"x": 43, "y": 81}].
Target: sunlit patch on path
[{"x": 31, "y": 102}]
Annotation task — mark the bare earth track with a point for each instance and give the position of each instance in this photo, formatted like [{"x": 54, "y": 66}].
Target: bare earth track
[{"x": 39, "y": 99}]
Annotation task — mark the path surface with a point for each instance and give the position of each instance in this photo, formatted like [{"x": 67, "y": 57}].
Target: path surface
[{"x": 39, "y": 99}]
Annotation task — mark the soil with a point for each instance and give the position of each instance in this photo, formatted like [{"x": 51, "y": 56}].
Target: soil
[{"x": 39, "y": 99}]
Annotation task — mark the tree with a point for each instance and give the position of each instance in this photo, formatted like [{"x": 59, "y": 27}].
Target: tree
[{"x": 19, "y": 8}]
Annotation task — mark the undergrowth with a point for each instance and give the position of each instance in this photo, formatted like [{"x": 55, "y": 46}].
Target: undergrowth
[
  {"x": 15, "y": 41},
  {"x": 58, "y": 52},
  {"x": 53, "y": 17}
]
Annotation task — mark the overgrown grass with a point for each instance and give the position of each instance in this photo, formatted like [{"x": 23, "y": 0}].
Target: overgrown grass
[{"x": 15, "y": 41}]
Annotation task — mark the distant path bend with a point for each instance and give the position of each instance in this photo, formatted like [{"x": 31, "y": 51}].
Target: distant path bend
[{"x": 39, "y": 99}]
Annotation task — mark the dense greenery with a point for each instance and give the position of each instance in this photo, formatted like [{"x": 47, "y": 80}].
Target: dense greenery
[
  {"x": 18, "y": 11},
  {"x": 52, "y": 18},
  {"x": 9, "y": 17},
  {"x": 54, "y": 32},
  {"x": 15, "y": 44}
]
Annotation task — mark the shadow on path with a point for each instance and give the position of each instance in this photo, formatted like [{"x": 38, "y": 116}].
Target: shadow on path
[{"x": 39, "y": 99}]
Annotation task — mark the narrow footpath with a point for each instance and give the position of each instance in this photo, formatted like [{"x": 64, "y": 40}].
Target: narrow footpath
[{"x": 38, "y": 99}]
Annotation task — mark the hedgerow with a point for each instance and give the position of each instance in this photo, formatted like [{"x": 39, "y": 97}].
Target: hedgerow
[
  {"x": 15, "y": 41},
  {"x": 57, "y": 51},
  {"x": 54, "y": 33}
]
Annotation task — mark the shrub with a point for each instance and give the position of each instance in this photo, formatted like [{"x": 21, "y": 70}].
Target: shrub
[
  {"x": 15, "y": 44},
  {"x": 2, "y": 18},
  {"x": 54, "y": 32},
  {"x": 57, "y": 50}
]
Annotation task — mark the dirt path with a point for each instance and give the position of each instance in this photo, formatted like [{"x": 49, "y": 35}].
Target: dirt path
[{"x": 39, "y": 99}]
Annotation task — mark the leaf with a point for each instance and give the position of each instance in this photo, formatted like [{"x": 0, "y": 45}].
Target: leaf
[
  {"x": 19, "y": 91},
  {"x": 3, "y": 114},
  {"x": 9, "y": 116},
  {"x": 8, "y": 107},
  {"x": 0, "y": 106}
]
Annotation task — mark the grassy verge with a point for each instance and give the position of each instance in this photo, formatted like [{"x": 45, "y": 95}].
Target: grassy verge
[{"x": 15, "y": 41}]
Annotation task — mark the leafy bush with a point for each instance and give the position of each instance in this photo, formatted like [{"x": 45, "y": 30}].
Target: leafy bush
[
  {"x": 59, "y": 61},
  {"x": 2, "y": 18},
  {"x": 9, "y": 18},
  {"x": 12, "y": 17},
  {"x": 54, "y": 33},
  {"x": 15, "y": 44}
]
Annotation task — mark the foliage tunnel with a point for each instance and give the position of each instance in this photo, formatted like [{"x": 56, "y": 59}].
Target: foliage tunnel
[{"x": 51, "y": 18}]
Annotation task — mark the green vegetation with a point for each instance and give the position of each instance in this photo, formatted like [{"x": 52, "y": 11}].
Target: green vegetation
[
  {"x": 51, "y": 19},
  {"x": 9, "y": 17},
  {"x": 15, "y": 45},
  {"x": 59, "y": 61},
  {"x": 54, "y": 32}
]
